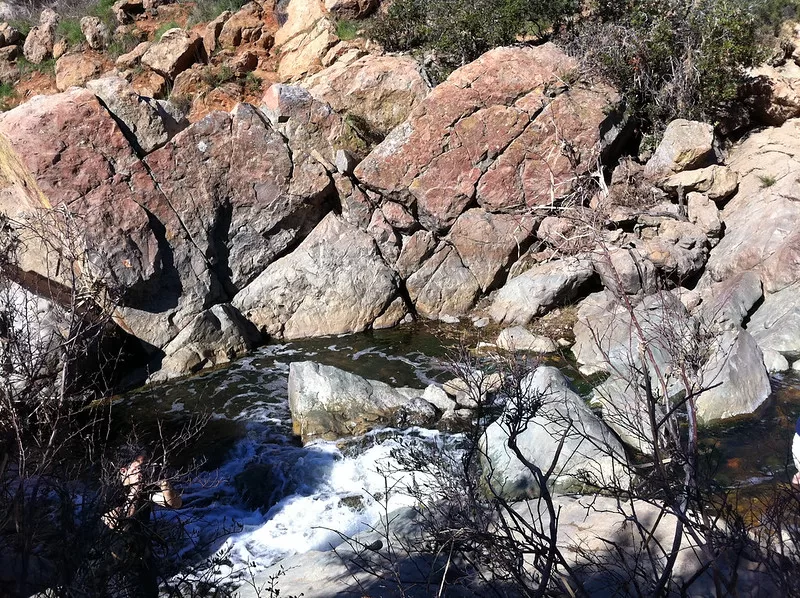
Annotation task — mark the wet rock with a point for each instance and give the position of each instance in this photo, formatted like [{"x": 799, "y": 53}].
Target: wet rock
[
  {"x": 539, "y": 289},
  {"x": 686, "y": 144},
  {"x": 416, "y": 412},
  {"x": 334, "y": 282},
  {"x": 775, "y": 362},
  {"x": 519, "y": 338},
  {"x": 590, "y": 452},
  {"x": 329, "y": 403}
]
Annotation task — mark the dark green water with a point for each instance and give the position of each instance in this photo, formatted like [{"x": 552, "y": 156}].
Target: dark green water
[{"x": 749, "y": 450}]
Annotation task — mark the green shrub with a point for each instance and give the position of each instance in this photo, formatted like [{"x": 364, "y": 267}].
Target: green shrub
[
  {"x": 103, "y": 10},
  {"x": 459, "y": 31},
  {"x": 767, "y": 180},
  {"x": 163, "y": 28},
  {"x": 671, "y": 58},
  {"x": 70, "y": 30},
  {"x": 208, "y": 10},
  {"x": 6, "y": 93},
  {"x": 26, "y": 67},
  {"x": 346, "y": 30}
]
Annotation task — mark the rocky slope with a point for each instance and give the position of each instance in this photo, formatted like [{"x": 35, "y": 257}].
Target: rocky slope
[{"x": 485, "y": 198}]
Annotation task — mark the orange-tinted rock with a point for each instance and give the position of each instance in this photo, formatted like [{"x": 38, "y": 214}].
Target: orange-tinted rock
[
  {"x": 381, "y": 90},
  {"x": 76, "y": 69},
  {"x": 176, "y": 51}
]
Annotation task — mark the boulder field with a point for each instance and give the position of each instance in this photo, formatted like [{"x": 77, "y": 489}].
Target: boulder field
[{"x": 481, "y": 198}]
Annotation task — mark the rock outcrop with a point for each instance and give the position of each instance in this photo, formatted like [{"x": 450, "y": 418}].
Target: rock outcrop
[
  {"x": 336, "y": 281},
  {"x": 491, "y": 134}
]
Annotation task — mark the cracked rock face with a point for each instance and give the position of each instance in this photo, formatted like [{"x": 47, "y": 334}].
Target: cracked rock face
[
  {"x": 335, "y": 282},
  {"x": 66, "y": 151},
  {"x": 177, "y": 232},
  {"x": 503, "y": 131}
]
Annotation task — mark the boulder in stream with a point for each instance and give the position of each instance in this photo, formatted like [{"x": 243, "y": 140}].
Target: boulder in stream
[{"x": 329, "y": 403}]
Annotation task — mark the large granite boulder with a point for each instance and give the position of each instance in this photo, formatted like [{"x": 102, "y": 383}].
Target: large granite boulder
[
  {"x": 443, "y": 285},
  {"x": 735, "y": 378},
  {"x": 489, "y": 243},
  {"x": 66, "y": 152},
  {"x": 329, "y": 403},
  {"x": 762, "y": 221},
  {"x": 380, "y": 90},
  {"x": 563, "y": 434},
  {"x": 334, "y": 282},
  {"x": 233, "y": 197},
  {"x": 539, "y": 289},
  {"x": 776, "y": 324},
  {"x": 492, "y": 132}
]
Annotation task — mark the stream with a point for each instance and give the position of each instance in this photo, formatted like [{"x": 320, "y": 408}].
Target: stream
[{"x": 260, "y": 496}]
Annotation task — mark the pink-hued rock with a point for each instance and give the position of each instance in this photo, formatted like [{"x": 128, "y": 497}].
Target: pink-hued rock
[
  {"x": 65, "y": 151},
  {"x": 381, "y": 90},
  {"x": 503, "y": 130}
]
